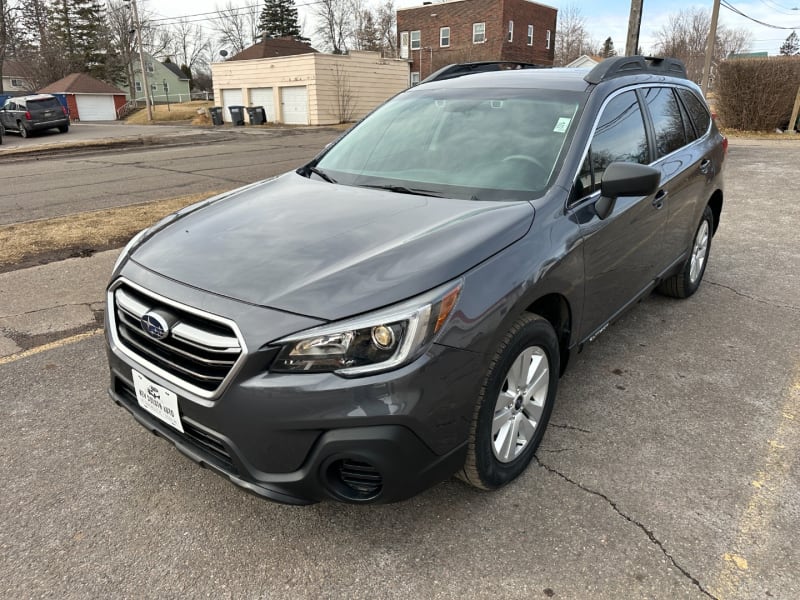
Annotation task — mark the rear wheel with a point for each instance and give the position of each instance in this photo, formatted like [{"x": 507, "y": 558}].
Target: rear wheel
[
  {"x": 63, "y": 128},
  {"x": 514, "y": 404},
  {"x": 23, "y": 131},
  {"x": 685, "y": 283}
]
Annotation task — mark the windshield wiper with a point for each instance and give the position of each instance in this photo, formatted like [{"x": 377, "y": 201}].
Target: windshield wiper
[
  {"x": 400, "y": 189},
  {"x": 321, "y": 173}
]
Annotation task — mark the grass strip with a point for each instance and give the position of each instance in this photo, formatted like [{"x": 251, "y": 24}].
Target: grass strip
[{"x": 37, "y": 242}]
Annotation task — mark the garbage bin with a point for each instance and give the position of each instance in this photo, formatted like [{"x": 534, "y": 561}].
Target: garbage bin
[
  {"x": 216, "y": 115},
  {"x": 237, "y": 115},
  {"x": 257, "y": 114}
]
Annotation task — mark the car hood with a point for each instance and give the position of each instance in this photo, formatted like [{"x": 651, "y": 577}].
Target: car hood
[{"x": 329, "y": 251}]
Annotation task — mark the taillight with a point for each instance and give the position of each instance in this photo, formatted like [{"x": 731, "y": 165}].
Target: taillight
[
  {"x": 28, "y": 115},
  {"x": 64, "y": 110},
  {"x": 725, "y": 144}
]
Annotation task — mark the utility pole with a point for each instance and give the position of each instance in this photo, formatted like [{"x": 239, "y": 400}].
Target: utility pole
[
  {"x": 710, "y": 43},
  {"x": 145, "y": 86},
  {"x": 634, "y": 25}
]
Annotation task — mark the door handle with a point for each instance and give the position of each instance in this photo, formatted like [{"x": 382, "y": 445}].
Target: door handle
[
  {"x": 705, "y": 166},
  {"x": 658, "y": 201}
]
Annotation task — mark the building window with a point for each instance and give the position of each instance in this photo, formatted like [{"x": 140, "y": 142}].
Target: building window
[
  {"x": 478, "y": 33},
  {"x": 511, "y": 31},
  {"x": 530, "y": 35},
  {"x": 547, "y": 40},
  {"x": 138, "y": 86},
  {"x": 153, "y": 87},
  {"x": 416, "y": 40},
  {"x": 18, "y": 82},
  {"x": 444, "y": 37},
  {"x": 414, "y": 77},
  {"x": 404, "y": 44},
  {"x": 150, "y": 68}
]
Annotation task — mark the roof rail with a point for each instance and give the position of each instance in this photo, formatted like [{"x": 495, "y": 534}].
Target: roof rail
[
  {"x": 461, "y": 69},
  {"x": 620, "y": 66}
]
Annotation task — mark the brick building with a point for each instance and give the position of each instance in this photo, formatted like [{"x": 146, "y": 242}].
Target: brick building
[{"x": 432, "y": 36}]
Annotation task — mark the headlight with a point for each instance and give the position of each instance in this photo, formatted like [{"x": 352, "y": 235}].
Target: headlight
[
  {"x": 379, "y": 341},
  {"x": 126, "y": 250}
]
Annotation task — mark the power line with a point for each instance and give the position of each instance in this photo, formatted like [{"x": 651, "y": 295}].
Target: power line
[{"x": 735, "y": 10}]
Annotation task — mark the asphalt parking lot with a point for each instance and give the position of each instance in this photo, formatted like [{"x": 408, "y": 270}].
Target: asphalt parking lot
[{"x": 670, "y": 468}]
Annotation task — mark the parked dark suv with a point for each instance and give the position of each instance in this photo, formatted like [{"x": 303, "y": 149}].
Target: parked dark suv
[
  {"x": 399, "y": 309},
  {"x": 26, "y": 114}
]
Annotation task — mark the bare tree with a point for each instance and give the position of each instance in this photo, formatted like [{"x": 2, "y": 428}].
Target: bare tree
[
  {"x": 684, "y": 36},
  {"x": 236, "y": 28},
  {"x": 345, "y": 99},
  {"x": 386, "y": 21},
  {"x": 334, "y": 24},
  {"x": 188, "y": 44},
  {"x": 572, "y": 38}
]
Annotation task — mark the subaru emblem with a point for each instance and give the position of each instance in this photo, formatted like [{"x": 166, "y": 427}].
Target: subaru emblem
[{"x": 155, "y": 325}]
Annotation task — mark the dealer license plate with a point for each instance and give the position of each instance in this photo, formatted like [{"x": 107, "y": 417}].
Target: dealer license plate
[{"x": 157, "y": 400}]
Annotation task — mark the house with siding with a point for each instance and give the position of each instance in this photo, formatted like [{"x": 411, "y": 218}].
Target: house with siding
[
  {"x": 167, "y": 82},
  {"x": 15, "y": 80},
  {"x": 298, "y": 85},
  {"x": 433, "y": 36}
]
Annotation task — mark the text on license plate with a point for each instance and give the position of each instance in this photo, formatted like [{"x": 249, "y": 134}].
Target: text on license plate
[{"x": 157, "y": 400}]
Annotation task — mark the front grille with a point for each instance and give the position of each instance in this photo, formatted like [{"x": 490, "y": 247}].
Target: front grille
[
  {"x": 205, "y": 442},
  {"x": 199, "y": 351}
]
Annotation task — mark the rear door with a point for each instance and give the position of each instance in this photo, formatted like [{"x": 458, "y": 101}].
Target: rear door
[
  {"x": 45, "y": 109},
  {"x": 682, "y": 166}
]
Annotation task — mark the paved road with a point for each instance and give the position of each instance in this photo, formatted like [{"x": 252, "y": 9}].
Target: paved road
[
  {"x": 84, "y": 132},
  {"x": 670, "y": 469},
  {"x": 216, "y": 160}
]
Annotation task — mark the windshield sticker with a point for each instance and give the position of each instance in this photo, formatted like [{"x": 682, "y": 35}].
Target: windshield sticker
[{"x": 562, "y": 125}]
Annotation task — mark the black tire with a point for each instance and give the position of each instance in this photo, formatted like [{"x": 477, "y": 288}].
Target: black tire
[
  {"x": 482, "y": 468},
  {"x": 63, "y": 128},
  {"x": 23, "y": 131},
  {"x": 681, "y": 284}
]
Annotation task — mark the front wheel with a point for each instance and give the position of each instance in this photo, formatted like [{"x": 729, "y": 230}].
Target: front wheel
[
  {"x": 685, "y": 283},
  {"x": 514, "y": 404}
]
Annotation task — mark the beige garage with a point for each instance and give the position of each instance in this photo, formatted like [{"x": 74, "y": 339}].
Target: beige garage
[{"x": 312, "y": 88}]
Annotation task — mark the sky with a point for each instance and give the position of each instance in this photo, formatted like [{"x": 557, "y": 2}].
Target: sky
[{"x": 604, "y": 18}]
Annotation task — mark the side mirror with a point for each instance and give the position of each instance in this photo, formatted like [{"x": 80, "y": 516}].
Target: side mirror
[{"x": 625, "y": 179}]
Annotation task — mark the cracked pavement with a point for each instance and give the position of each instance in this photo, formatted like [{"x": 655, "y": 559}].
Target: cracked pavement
[{"x": 669, "y": 469}]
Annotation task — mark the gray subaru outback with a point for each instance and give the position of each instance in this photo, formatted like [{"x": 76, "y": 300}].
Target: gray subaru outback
[{"x": 400, "y": 309}]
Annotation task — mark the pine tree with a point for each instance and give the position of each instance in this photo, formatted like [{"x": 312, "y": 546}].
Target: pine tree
[
  {"x": 82, "y": 30},
  {"x": 791, "y": 47},
  {"x": 607, "y": 50},
  {"x": 279, "y": 19}
]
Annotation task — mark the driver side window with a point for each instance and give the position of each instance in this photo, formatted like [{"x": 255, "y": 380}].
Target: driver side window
[{"x": 620, "y": 137}]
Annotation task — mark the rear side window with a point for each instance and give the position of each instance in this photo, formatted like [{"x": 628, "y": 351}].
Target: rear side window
[
  {"x": 667, "y": 120},
  {"x": 44, "y": 103},
  {"x": 697, "y": 111},
  {"x": 620, "y": 137}
]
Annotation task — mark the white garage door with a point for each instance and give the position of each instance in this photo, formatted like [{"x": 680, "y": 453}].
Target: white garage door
[
  {"x": 294, "y": 105},
  {"x": 92, "y": 107},
  {"x": 263, "y": 97},
  {"x": 230, "y": 98}
]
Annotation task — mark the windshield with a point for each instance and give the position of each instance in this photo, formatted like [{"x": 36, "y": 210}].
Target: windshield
[{"x": 485, "y": 144}]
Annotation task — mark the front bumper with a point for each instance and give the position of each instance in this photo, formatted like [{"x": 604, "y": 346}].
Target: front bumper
[
  {"x": 404, "y": 465},
  {"x": 295, "y": 438}
]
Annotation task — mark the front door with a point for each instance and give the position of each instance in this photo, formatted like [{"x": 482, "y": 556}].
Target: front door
[{"x": 621, "y": 252}]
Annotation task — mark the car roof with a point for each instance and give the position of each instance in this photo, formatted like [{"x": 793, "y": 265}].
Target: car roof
[
  {"x": 560, "y": 78},
  {"x": 34, "y": 97}
]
